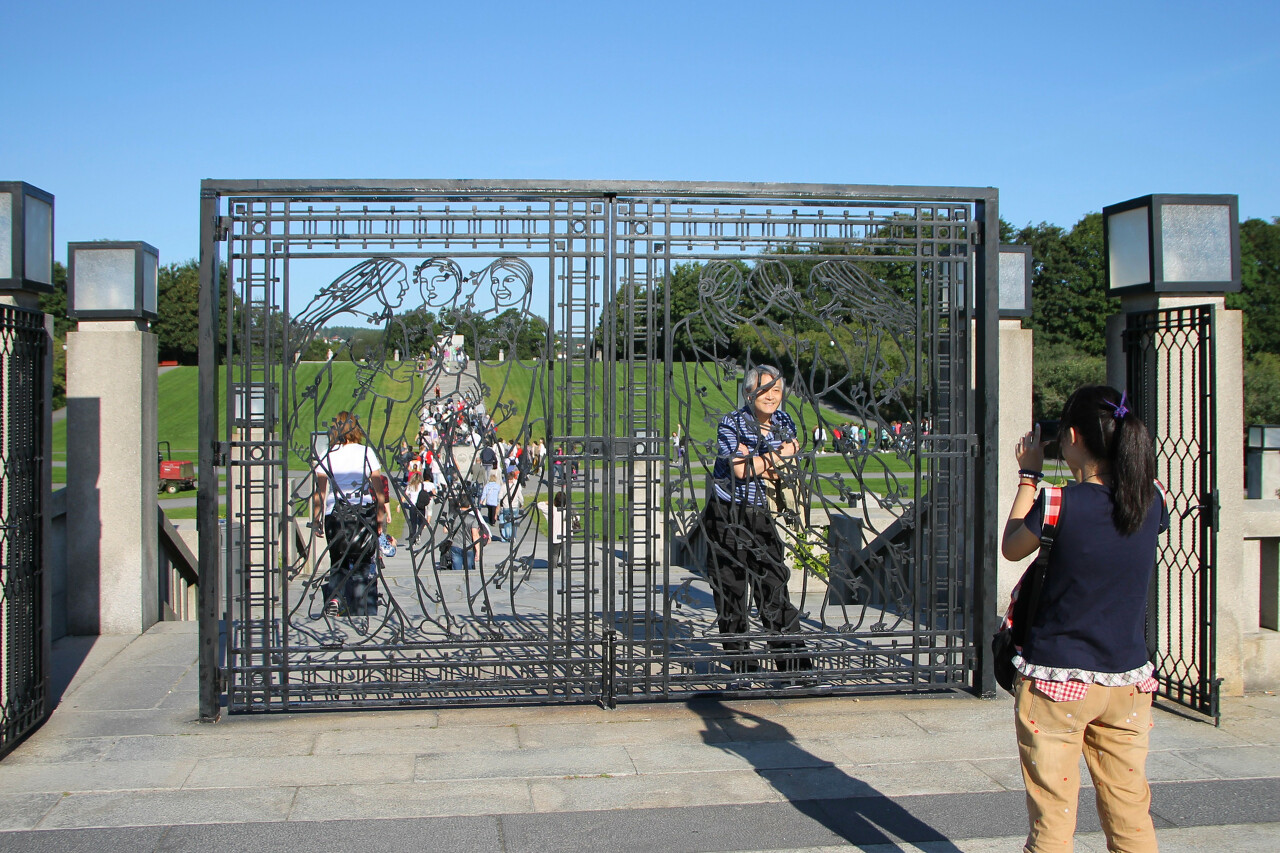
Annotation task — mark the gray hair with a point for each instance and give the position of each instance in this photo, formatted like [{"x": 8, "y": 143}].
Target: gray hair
[{"x": 755, "y": 374}]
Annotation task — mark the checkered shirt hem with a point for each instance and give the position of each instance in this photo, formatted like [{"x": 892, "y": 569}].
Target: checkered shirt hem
[{"x": 1070, "y": 685}]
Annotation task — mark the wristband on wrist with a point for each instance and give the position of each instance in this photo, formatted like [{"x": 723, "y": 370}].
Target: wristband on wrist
[{"x": 1028, "y": 472}]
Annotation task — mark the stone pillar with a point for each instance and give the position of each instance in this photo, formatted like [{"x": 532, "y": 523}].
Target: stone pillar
[
  {"x": 1015, "y": 420},
  {"x": 112, "y": 472}
]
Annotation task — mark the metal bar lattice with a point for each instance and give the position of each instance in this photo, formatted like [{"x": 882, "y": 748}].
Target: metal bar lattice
[
  {"x": 1171, "y": 377},
  {"x": 617, "y": 324},
  {"x": 23, "y": 668}
]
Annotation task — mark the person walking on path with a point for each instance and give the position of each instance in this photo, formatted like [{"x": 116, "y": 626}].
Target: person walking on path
[
  {"x": 350, "y": 504},
  {"x": 556, "y": 511},
  {"x": 1085, "y": 680},
  {"x": 491, "y": 497}
]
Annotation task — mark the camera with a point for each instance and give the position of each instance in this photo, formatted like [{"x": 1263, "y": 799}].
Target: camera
[{"x": 1049, "y": 435}]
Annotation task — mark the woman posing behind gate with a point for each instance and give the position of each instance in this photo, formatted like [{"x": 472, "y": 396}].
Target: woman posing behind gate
[{"x": 1085, "y": 679}]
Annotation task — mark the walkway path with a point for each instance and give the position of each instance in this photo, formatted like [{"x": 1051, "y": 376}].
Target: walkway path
[{"x": 123, "y": 766}]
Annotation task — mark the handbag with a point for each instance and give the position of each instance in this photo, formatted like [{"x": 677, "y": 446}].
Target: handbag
[{"x": 1008, "y": 639}]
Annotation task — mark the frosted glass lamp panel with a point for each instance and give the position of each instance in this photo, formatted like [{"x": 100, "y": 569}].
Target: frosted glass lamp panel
[
  {"x": 1013, "y": 281},
  {"x": 104, "y": 280},
  {"x": 149, "y": 284},
  {"x": 39, "y": 240},
  {"x": 1271, "y": 438},
  {"x": 1129, "y": 248},
  {"x": 1196, "y": 241},
  {"x": 6, "y": 235}
]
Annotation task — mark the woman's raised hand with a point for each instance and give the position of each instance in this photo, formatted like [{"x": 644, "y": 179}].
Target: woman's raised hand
[{"x": 1030, "y": 450}]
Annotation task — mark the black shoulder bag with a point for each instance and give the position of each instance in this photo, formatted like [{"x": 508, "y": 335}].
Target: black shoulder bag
[{"x": 1006, "y": 642}]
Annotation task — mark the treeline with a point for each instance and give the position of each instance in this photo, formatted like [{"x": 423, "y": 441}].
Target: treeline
[{"x": 1070, "y": 310}]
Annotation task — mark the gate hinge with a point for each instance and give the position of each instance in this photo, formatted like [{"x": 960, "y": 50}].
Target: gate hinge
[
  {"x": 975, "y": 234},
  {"x": 221, "y": 450},
  {"x": 221, "y": 228}
]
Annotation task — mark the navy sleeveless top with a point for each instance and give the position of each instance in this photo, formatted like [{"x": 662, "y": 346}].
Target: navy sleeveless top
[{"x": 1093, "y": 606}]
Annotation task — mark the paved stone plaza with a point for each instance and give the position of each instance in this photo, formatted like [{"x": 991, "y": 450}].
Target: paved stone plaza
[{"x": 123, "y": 765}]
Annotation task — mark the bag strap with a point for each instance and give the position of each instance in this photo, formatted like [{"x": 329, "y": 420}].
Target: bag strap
[
  {"x": 1048, "y": 532},
  {"x": 1052, "y": 506}
]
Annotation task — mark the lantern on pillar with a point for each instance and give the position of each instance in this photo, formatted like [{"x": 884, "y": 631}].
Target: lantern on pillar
[
  {"x": 110, "y": 280},
  {"x": 1015, "y": 280},
  {"x": 26, "y": 238},
  {"x": 1172, "y": 244}
]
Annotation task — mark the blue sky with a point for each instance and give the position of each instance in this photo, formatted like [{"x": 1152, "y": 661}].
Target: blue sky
[{"x": 119, "y": 109}]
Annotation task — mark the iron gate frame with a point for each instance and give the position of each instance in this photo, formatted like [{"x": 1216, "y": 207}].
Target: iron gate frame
[
  {"x": 1173, "y": 349},
  {"x": 25, "y": 618},
  {"x": 982, "y": 263}
]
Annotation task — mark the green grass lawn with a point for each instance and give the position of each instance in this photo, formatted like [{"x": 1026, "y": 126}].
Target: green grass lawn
[{"x": 518, "y": 398}]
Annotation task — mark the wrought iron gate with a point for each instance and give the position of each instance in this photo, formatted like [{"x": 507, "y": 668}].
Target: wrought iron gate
[
  {"x": 616, "y": 323},
  {"x": 1171, "y": 374},
  {"x": 23, "y": 639}
]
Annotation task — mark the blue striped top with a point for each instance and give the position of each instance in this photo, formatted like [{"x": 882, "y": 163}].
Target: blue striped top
[{"x": 741, "y": 427}]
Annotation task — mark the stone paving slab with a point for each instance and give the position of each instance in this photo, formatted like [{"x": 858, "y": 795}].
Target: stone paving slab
[
  {"x": 61, "y": 750},
  {"x": 94, "y": 776},
  {"x": 25, "y": 811},
  {"x": 526, "y": 764},
  {"x": 761, "y": 755},
  {"x": 416, "y": 741},
  {"x": 208, "y": 744},
  {"x": 412, "y": 800},
  {"x": 327, "y": 721},
  {"x": 144, "y": 688},
  {"x": 80, "y": 722},
  {"x": 849, "y": 726},
  {"x": 666, "y": 790},
  {"x": 1239, "y": 762},
  {"x": 166, "y": 808},
  {"x": 981, "y": 742},
  {"x": 258, "y": 772},
  {"x": 672, "y": 731}
]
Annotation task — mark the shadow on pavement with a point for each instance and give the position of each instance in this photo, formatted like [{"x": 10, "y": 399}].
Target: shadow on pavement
[{"x": 854, "y": 810}]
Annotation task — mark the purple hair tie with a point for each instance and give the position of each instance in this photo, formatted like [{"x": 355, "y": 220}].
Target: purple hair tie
[{"x": 1119, "y": 411}]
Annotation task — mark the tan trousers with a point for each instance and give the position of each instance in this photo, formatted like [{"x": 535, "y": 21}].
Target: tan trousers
[{"x": 1111, "y": 725}]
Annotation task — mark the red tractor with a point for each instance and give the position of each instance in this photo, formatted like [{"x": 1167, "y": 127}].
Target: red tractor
[{"x": 174, "y": 474}]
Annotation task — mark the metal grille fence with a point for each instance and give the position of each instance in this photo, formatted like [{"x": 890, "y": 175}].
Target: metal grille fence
[
  {"x": 23, "y": 668},
  {"x": 1171, "y": 375},
  {"x": 616, "y": 324}
]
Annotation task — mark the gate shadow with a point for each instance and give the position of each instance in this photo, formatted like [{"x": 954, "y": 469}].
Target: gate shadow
[{"x": 861, "y": 815}]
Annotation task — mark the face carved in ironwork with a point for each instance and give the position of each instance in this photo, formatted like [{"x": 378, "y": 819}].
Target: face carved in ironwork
[
  {"x": 439, "y": 281},
  {"x": 510, "y": 280}
]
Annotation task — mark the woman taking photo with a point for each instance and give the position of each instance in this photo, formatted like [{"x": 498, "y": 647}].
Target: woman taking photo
[{"x": 1086, "y": 681}]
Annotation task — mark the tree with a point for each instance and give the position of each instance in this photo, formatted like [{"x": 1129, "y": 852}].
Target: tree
[
  {"x": 1069, "y": 298},
  {"x": 55, "y": 305},
  {"x": 178, "y": 304},
  {"x": 1262, "y": 389},
  {"x": 1259, "y": 297},
  {"x": 1059, "y": 370}
]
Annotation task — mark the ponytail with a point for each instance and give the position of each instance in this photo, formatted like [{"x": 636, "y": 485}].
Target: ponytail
[{"x": 1110, "y": 431}]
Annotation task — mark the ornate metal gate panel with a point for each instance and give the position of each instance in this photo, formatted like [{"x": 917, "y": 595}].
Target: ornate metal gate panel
[
  {"x": 23, "y": 637},
  {"x": 616, "y": 324},
  {"x": 1171, "y": 377}
]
